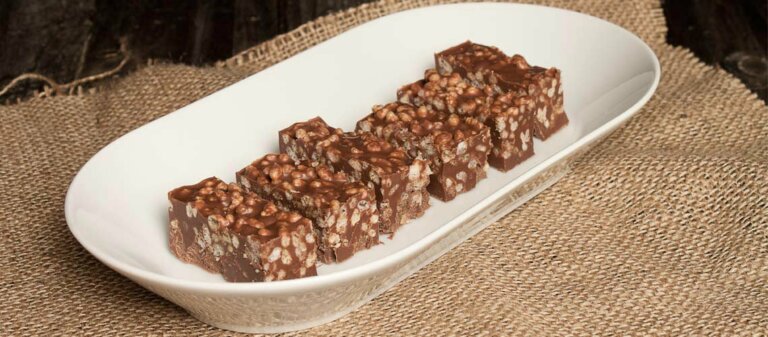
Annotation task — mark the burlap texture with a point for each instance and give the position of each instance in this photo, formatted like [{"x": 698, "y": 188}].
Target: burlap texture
[{"x": 660, "y": 230}]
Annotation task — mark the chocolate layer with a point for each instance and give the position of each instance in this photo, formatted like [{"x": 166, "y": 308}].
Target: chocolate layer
[
  {"x": 455, "y": 147},
  {"x": 488, "y": 66},
  {"x": 227, "y": 230},
  {"x": 344, "y": 213},
  {"x": 507, "y": 115},
  {"x": 364, "y": 157}
]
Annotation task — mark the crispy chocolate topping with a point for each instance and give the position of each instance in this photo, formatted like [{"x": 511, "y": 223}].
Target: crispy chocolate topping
[
  {"x": 473, "y": 57},
  {"x": 311, "y": 130},
  {"x": 229, "y": 206},
  {"x": 379, "y": 154},
  {"x": 447, "y": 129},
  {"x": 318, "y": 182}
]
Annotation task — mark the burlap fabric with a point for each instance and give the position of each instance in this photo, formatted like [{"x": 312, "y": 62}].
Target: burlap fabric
[{"x": 661, "y": 230}]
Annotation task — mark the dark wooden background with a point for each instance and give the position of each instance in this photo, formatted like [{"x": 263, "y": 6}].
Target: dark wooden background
[{"x": 71, "y": 39}]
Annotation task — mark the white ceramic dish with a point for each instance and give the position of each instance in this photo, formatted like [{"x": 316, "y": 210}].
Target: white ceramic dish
[{"x": 116, "y": 205}]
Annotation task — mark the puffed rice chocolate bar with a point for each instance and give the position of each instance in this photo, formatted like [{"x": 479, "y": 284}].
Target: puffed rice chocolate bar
[
  {"x": 399, "y": 181},
  {"x": 484, "y": 65},
  {"x": 227, "y": 230},
  {"x": 344, "y": 213},
  {"x": 456, "y": 148},
  {"x": 505, "y": 114},
  {"x": 301, "y": 139}
]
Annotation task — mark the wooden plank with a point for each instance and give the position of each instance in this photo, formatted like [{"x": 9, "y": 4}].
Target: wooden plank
[{"x": 43, "y": 36}]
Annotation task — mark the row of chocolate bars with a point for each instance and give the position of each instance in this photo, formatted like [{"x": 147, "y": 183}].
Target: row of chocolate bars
[{"x": 329, "y": 193}]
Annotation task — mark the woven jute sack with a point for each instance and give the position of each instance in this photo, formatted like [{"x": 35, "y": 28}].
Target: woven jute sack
[{"x": 660, "y": 230}]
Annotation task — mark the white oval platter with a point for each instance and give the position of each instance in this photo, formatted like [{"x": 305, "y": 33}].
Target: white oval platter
[{"x": 116, "y": 205}]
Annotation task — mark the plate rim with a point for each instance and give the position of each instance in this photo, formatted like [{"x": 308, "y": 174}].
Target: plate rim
[{"x": 347, "y": 275}]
